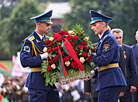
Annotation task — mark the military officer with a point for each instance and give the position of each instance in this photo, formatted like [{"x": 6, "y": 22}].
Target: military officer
[
  {"x": 110, "y": 77},
  {"x": 32, "y": 54}
]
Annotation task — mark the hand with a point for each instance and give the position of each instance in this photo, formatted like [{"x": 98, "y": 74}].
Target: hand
[
  {"x": 94, "y": 53},
  {"x": 121, "y": 94},
  {"x": 44, "y": 56},
  {"x": 88, "y": 93},
  {"x": 133, "y": 89}
]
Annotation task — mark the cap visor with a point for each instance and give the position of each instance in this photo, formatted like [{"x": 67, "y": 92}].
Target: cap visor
[{"x": 49, "y": 22}]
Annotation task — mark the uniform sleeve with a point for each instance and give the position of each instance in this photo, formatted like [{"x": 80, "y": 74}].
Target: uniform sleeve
[
  {"x": 133, "y": 69},
  {"x": 87, "y": 85},
  {"x": 107, "y": 51},
  {"x": 26, "y": 57}
]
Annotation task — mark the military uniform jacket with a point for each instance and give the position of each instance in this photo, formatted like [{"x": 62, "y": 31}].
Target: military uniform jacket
[
  {"x": 32, "y": 47},
  {"x": 130, "y": 66},
  {"x": 108, "y": 53}
]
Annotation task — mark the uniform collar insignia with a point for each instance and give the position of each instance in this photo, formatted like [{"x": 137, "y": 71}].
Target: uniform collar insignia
[{"x": 38, "y": 41}]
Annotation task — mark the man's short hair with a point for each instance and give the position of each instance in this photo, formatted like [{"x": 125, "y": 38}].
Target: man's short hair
[{"x": 117, "y": 30}]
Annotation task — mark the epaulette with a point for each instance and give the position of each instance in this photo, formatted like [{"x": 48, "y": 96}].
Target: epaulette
[
  {"x": 31, "y": 38},
  {"x": 105, "y": 36}
]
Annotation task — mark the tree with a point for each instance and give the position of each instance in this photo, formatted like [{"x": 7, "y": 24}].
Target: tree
[
  {"x": 124, "y": 13},
  {"x": 19, "y": 25},
  {"x": 80, "y": 14}
]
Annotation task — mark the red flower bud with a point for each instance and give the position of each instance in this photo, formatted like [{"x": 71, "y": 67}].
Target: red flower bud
[
  {"x": 50, "y": 61},
  {"x": 89, "y": 59},
  {"x": 55, "y": 48},
  {"x": 56, "y": 58},
  {"x": 84, "y": 54},
  {"x": 75, "y": 37},
  {"x": 47, "y": 42},
  {"x": 74, "y": 65},
  {"x": 49, "y": 50},
  {"x": 72, "y": 43},
  {"x": 61, "y": 32},
  {"x": 81, "y": 47},
  {"x": 79, "y": 33},
  {"x": 66, "y": 58},
  {"x": 69, "y": 37},
  {"x": 76, "y": 51},
  {"x": 62, "y": 52},
  {"x": 49, "y": 68},
  {"x": 83, "y": 42},
  {"x": 51, "y": 44},
  {"x": 59, "y": 39},
  {"x": 66, "y": 32}
]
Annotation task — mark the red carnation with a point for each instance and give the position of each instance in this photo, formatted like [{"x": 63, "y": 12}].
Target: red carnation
[
  {"x": 69, "y": 37},
  {"x": 83, "y": 42},
  {"x": 50, "y": 61},
  {"x": 61, "y": 32},
  {"x": 81, "y": 47},
  {"x": 47, "y": 42},
  {"x": 89, "y": 59},
  {"x": 75, "y": 37},
  {"x": 72, "y": 43},
  {"x": 59, "y": 39},
  {"x": 56, "y": 58},
  {"x": 74, "y": 65},
  {"x": 66, "y": 58},
  {"x": 51, "y": 44},
  {"x": 79, "y": 33},
  {"x": 84, "y": 54},
  {"x": 49, "y": 50},
  {"x": 87, "y": 48},
  {"x": 66, "y": 32},
  {"x": 55, "y": 48},
  {"x": 49, "y": 68}
]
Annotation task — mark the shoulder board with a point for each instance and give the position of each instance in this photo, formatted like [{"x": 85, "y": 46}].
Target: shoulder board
[
  {"x": 31, "y": 38},
  {"x": 105, "y": 36}
]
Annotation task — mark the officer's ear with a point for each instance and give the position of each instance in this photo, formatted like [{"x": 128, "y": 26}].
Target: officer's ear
[
  {"x": 104, "y": 24},
  {"x": 38, "y": 23}
]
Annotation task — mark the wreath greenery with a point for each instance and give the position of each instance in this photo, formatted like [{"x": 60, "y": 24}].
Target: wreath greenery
[{"x": 69, "y": 54}]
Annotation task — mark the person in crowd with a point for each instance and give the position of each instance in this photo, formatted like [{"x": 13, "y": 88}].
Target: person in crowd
[
  {"x": 131, "y": 76},
  {"x": 110, "y": 77},
  {"x": 31, "y": 55},
  {"x": 135, "y": 50},
  {"x": 81, "y": 90}
]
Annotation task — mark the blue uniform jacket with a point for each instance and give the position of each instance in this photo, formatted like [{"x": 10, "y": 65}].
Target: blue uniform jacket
[
  {"x": 108, "y": 53},
  {"x": 29, "y": 58},
  {"x": 130, "y": 66}
]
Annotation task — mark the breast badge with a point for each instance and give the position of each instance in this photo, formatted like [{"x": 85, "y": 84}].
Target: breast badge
[{"x": 106, "y": 47}]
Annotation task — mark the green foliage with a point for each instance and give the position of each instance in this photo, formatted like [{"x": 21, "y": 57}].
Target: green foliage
[
  {"x": 19, "y": 25},
  {"x": 124, "y": 13},
  {"x": 80, "y": 14},
  {"x": 80, "y": 47}
]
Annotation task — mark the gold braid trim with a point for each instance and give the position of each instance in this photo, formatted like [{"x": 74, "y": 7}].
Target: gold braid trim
[{"x": 23, "y": 46}]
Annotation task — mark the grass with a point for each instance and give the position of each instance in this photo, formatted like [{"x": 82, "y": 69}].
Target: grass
[{"x": 7, "y": 63}]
